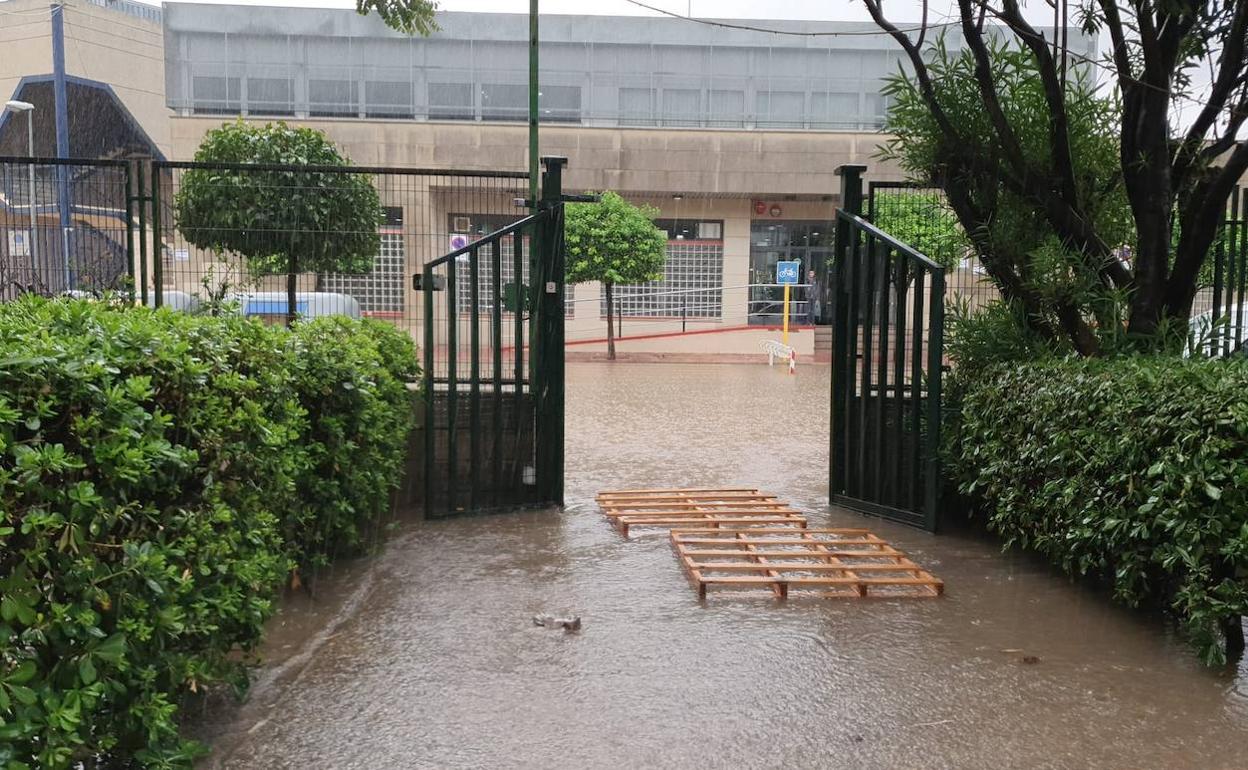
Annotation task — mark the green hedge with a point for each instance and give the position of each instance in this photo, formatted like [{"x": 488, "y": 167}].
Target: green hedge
[
  {"x": 1130, "y": 468},
  {"x": 160, "y": 475}
]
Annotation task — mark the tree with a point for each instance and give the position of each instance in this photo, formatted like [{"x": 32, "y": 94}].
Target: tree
[
  {"x": 614, "y": 242},
  {"x": 923, "y": 221},
  {"x": 284, "y": 220},
  {"x": 411, "y": 17},
  {"x": 1040, "y": 158}
]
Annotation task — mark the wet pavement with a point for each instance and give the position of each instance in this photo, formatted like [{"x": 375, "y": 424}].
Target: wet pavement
[{"x": 426, "y": 655}]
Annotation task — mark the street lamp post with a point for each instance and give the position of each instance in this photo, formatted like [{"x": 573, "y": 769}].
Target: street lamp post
[{"x": 28, "y": 108}]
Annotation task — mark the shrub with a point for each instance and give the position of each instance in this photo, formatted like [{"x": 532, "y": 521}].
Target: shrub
[
  {"x": 1132, "y": 468},
  {"x": 352, "y": 382},
  {"x": 149, "y": 464}
]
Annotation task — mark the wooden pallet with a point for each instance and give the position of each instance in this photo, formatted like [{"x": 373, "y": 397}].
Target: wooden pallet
[
  {"x": 835, "y": 562},
  {"x": 696, "y": 509}
]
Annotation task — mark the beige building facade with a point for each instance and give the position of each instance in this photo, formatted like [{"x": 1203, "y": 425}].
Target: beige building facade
[{"x": 734, "y": 138}]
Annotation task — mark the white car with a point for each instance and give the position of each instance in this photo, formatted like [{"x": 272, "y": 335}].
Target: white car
[{"x": 1213, "y": 338}]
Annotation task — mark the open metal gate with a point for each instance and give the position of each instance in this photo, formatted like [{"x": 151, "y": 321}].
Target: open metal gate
[
  {"x": 888, "y": 326},
  {"x": 493, "y": 373}
]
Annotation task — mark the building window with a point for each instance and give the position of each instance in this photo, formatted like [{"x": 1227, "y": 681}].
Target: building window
[
  {"x": 636, "y": 107},
  {"x": 779, "y": 109},
  {"x": 387, "y": 99},
  {"x": 216, "y": 95},
  {"x": 380, "y": 291},
  {"x": 270, "y": 96},
  {"x": 450, "y": 101},
  {"x": 501, "y": 101},
  {"x": 560, "y": 104},
  {"x": 834, "y": 110},
  {"x": 682, "y": 106},
  {"x": 727, "y": 109},
  {"x": 333, "y": 98},
  {"x": 693, "y": 277}
]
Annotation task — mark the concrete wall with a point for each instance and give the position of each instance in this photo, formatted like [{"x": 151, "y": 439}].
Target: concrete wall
[
  {"x": 128, "y": 54},
  {"x": 25, "y": 42},
  {"x": 636, "y": 160}
]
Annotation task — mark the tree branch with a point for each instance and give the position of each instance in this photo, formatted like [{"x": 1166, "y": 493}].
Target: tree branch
[{"x": 988, "y": 89}]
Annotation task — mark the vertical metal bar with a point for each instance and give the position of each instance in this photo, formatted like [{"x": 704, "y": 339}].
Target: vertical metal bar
[
  {"x": 130, "y": 230},
  {"x": 879, "y": 450},
  {"x": 452, "y": 387},
  {"x": 853, "y": 277},
  {"x": 533, "y": 105},
  {"x": 836, "y": 416},
  {"x": 474, "y": 368},
  {"x": 935, "y": 360},
  {"x": 141, "y": 184},
  {"x": 547, "y": 334},
  {"x": 1242, "y": 225},
  {"x": 496, "y": 344},
  {"x": 897, "y": 443},
  {"x": 158, "y": 266},
  {"x": 1235, "y": 261},
  {"x": 522, "y": 294},
  {"x": 430, "y": 415},
  {"x": 916, "y": 389},
  {"x": 868, "y": 348}
]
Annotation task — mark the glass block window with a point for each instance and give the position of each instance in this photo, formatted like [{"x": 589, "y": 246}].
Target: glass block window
[
  {"x": 381, "y": 291},
  {"x": 333, "y": 98},
  {"x": 270, "y": 96},
  {"x": 693, "y": 278},
  {"x": 216, "y": 95},
  {"x": 474, "y": 227}
]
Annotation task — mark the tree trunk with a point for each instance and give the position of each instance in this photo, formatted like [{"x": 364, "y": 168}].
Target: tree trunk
[
  {"x": 1233, "y": 632},
  {"x": 292, "y": 283},
  {"x": 610, "y": 323}
]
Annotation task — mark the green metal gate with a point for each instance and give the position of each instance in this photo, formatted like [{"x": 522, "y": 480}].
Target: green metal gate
[
  {"x": 888, "y": 326},
  {"x": 494, "y": 373}
]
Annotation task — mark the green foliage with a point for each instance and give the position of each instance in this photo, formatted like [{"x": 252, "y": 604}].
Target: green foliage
[
  {"x": 923, "y": 221},
  {"x": 150, "y": 463},
  {"x": 613, "y": 241},
  {"x": 1134, "y": 468},
  {"x": 411, "y": 17},
  {"x": 1013, "y": 235},
  {"x": 351, "y": 378},
  {"x": 319, "y": 221}
]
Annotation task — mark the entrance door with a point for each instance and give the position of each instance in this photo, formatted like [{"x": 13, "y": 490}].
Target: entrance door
[{"x": 804, "y": 241}]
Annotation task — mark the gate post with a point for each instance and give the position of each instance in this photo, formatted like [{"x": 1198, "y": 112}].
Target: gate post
[
  {"x": 837, "y": 287},
  {"x": 546, "y": 328}
]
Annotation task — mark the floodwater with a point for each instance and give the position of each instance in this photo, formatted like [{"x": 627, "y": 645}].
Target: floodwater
[{"x": 426, "y": 655}]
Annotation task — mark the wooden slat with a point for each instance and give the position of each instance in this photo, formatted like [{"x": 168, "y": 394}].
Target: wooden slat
[
  {"x": 726, "y": 553},
  {"x": 674, "y": 491},
  {"x": 692, "y": 504},
  {"x": 744, "y": 538}
]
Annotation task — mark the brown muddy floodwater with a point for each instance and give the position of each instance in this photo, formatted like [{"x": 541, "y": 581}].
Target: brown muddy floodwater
[{"x": 426, "y": 655}]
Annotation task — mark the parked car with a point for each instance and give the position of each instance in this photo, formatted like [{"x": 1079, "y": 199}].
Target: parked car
[{"x": 1217, "y": 333}]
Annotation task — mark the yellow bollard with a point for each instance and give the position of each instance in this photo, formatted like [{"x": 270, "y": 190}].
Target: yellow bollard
[{"x": 786, "y": 314}]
